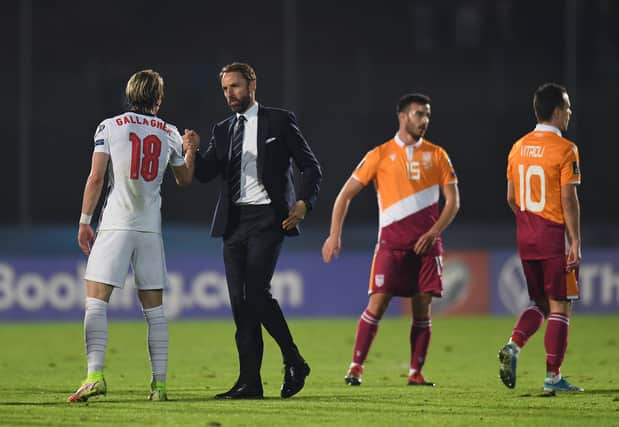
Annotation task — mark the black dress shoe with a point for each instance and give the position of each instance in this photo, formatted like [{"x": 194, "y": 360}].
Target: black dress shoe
[
  {"x": 294, "y": 379},
  {"x": 242, "y": 391}
]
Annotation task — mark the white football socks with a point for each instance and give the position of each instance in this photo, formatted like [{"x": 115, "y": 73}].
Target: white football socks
[
  {"x": 157, "y": 341},
  {"x": 95, "y": 333}
]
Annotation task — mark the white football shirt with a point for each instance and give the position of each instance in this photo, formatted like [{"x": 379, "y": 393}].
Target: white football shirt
[{"x": 140, "y": 147}]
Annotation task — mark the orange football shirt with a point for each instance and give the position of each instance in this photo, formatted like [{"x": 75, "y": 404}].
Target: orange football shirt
[
  {"x": 539, "y": 164},
  {"x": 407, "y": 181}
]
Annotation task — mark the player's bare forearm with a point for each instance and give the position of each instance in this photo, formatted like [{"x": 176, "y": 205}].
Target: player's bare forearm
[
  {"x": 341, "y": 204},
  {"x": 332, "y": 245},
  {"x": 340, "y": 210},
  {"x": 92, "y": 192},
  {"x": 571, "y": 211},
  {"x": 184, "y": 174},
  {"x": 451, "y": 208},
  {"x": 452, "y": 205},
  {"x": 94, "y": 183},
  {"x": 511, "y": 198}
]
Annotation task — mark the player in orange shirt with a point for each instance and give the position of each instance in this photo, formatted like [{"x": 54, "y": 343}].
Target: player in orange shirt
[
  {"x": 408, "y": 173},
  {"x": 543, "y": 171}
]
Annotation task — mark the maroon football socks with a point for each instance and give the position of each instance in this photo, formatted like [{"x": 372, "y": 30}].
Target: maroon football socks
[
  {"x": 529, "y": 322},
  {"x": 555, "y": 341},
  {"x": 366, "y": 331},
  {"x": 421, "y": 331}
]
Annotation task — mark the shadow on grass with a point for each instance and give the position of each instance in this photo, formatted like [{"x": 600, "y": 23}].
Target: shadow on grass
[
  {"x": 567, "y": 393},
  {"x": 33, "y": 404}
]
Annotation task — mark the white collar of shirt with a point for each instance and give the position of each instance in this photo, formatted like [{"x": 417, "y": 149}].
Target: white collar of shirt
[
  {"x": 250, "y": 113},
  {"x": 401, "y": 143},
  {"x": 548, "y": 128}
]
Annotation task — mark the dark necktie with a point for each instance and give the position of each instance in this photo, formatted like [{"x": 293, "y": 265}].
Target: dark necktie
[{"x": 236, "y": 155}]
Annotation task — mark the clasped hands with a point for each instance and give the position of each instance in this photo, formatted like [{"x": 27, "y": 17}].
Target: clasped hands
[{"x": 191, "y": 141}]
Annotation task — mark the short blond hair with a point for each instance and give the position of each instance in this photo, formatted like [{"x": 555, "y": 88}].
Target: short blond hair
[{"x": 144, "y": 90}]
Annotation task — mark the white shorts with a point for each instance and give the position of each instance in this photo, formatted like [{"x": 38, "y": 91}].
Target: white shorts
[{"x": 113, "y": 252}]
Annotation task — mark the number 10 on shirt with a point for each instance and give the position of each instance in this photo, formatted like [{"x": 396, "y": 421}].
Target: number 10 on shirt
[
  {"x": 526, "y": 201},
  {"x": 150, "y": 147}
]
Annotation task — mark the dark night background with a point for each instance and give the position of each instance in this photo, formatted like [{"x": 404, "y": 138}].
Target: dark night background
[{"x": 340, "y": 65}]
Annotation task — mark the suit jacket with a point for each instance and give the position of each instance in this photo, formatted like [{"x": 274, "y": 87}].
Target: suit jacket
[{"x": 285, "y": 145}]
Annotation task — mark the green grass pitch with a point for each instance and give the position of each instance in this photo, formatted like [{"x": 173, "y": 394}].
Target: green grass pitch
[{"x": 41, "y": 364}]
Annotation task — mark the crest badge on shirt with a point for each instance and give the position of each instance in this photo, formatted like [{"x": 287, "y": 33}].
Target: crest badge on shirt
[
  {"x": 379, "y": 279},
  {"x": 575, "y": 168},
  {"x": 426, "y": 160}
]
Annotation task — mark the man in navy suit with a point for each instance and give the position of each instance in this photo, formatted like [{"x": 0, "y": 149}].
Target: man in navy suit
[{"x": 253, "y": 151}]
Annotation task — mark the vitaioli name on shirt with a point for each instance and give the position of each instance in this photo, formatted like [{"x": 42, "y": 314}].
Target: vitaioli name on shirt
[{"x": 532, "y": 151}]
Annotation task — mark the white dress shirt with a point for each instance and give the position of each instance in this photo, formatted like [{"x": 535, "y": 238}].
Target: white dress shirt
[{"x": 252, "y": 190}]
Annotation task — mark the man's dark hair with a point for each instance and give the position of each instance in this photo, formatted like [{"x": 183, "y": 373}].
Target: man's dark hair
[
  {"x": 246, "y": 70},
  {"x": 548, "y": 97},
  {"x": 412, "y": 98}
]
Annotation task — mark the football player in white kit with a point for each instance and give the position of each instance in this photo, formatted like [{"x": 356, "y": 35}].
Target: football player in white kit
[{"x": 134, "y": 148}]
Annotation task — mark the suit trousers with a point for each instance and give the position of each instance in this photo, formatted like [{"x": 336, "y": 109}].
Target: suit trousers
[{"x": 252, "y": 244}]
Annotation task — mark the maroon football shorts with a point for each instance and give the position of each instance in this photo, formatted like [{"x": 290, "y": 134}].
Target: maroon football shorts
[
  {"x": 548, "y": 278},
  {"x": 403, "y": 273}
]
